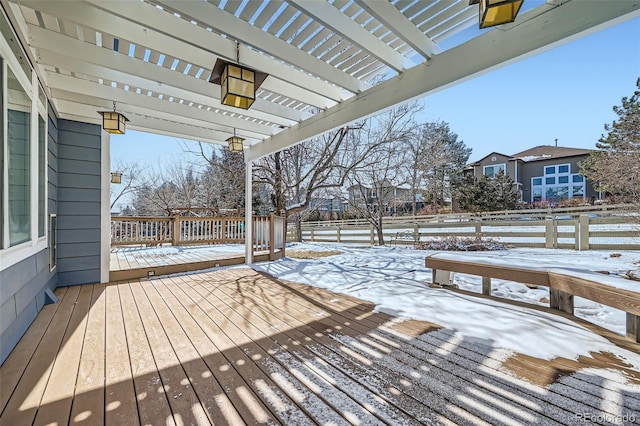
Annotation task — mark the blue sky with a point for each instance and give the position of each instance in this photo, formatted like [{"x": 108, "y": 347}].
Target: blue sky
[{"x": 565, "y": 93}]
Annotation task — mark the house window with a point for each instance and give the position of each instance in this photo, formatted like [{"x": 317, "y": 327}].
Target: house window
[
  {"x": 558, "y": 184},
  {"x": 23, "y": 155},
  {"x": 492, "y": 171},
  {"x": 19, "y": 161}
]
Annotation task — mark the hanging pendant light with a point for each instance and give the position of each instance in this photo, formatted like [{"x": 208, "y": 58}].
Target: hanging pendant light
[
  {"x": 497, "y": 12},
  {"x": 116, "y": 177},
  {"x": 235, "y": 142},
  {"x": 238, "y": 84},
  {"x": 113, "y": 122}
]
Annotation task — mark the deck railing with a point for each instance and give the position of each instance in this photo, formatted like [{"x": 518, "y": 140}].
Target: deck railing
[{"x": 268, "y": 231}]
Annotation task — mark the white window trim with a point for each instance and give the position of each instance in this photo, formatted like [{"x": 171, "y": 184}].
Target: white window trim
[
  {"x": 484, "y": 168},
  {"x": 12, "y": 255},
  {"x": 556, "y": 176}
]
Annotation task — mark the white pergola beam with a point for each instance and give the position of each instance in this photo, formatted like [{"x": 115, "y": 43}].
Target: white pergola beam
[
  {"x": 81, "y": 86},
  {"x": 237, "y": 29},
  {"x": 215, "y": 133},
  {"x": 392, "y": 18},
  {"x": 187, "y": 42},
  {"x": 482, "y": 54},
  {"x": 87, "y": 113},
  {"x": 70, "y": 54},
  {"x": 331, "y": 17}
]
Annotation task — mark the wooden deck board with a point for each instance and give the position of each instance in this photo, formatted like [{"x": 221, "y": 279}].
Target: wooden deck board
[
  {"x": 88, "y": 403},
  {"x": 25, "y": 401},
  {"x": 16, "y": 363},
  {"x": 238, "y": 347},
  {"x": 120, "y": 398},
  {"x": 58, "y": 395}
]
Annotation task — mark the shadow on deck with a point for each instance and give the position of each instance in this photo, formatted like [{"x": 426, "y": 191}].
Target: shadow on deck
[{"x": 239, "y": 347}]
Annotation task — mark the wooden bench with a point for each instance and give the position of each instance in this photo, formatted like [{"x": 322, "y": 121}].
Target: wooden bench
[
  {"x": 563, "y": 285},
  {"x": 406, "y": 236}
]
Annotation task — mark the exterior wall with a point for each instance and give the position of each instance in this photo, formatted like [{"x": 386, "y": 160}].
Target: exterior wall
[
  {"x": 536, "y": 168},
  {"x": 22, "y": 293},
  {"x": 79, "y": 202}
]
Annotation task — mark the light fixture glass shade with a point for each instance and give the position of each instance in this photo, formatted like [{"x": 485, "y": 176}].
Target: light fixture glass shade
[
  {"x": 237, "y": 86},
  {"x": 113, "y": 122},
  {"x": 496, "y": 12},
  {"x": 116, "y": 177},
  {"x": 235, "y": 143}
]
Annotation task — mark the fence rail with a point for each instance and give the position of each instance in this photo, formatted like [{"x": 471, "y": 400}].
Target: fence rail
[
  {"x": 268, "y": 231},
  {"x": 583, "y": 232},
  {"x": 572, "y": 212}
]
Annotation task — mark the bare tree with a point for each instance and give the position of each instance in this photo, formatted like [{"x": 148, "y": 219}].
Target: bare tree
[
  {"x": 132, "y": 179},
  {"x": 373, "y": 182}
]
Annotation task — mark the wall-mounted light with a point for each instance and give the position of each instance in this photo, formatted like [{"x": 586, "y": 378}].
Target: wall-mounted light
[
  {"x": 238, "y": 84},
  {"x": 113, "y": 122},
  {"x": 496, "y": 12},
  {"x": 235, "y": 142},
  {"x": 116, "y": 177}
]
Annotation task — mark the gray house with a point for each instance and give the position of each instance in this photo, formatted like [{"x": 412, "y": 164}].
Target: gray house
[{"x": 544, "y": 173}]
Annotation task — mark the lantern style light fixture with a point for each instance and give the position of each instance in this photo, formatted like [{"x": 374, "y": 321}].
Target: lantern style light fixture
[
  {"x": 238, "y": 84},
  {"x": 496, "y": 12},
  {"x": 113, "y": 122},
  {"x": 235, "y": 142},
  {"x": 116, "y": 177}
]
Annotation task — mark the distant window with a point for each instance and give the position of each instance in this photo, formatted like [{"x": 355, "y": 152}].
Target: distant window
[
  {"x": 550, "y": 180},
  {"x": 494, "y": 158},
  {"x": 563, "y": 169},
  {"x": 563, "y": 179},
  {"x": 536, "y": 181},
  {"x": 577, "y": 178},
  {"x": 492, "y": 171},
  {"x": 550, "y": 170}
]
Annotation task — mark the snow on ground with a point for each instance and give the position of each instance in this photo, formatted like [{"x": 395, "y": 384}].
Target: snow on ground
[{"x": 396, "y": 279}]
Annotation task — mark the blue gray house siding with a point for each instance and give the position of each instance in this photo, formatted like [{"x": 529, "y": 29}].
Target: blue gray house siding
[
  {"x": 79, "y": 202},
  {"x": 22, "y": 292},
  {"x": 74, "y": 195}
]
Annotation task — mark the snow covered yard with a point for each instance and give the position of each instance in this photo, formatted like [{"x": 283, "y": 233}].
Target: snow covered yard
[{"x": 397, "y": 281}]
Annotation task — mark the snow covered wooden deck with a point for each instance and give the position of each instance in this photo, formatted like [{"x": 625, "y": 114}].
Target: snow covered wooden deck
[{"x": 238, "y": 347}]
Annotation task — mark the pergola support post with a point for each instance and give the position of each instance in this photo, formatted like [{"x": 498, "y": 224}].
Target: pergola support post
[{"x": 248, "y": 215}]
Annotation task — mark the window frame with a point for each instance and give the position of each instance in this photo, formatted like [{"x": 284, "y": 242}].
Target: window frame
[
  {"x": 30, "y": 83},
  {"x": 484, "y": 169}
]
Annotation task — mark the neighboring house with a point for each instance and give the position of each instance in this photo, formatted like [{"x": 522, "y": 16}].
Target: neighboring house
[
  {"x": 544, "y": 173},
  {"x": 395, "y": 199}
]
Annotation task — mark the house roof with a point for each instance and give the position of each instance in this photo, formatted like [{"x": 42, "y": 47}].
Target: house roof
[
  {"x": 329, "y": 62},
  {"x": 545, "y": 152},
  {"x": 487, "y": 156}
]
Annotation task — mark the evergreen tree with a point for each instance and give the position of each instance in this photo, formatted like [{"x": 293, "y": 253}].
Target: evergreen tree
[
  {"x": 487, "y": 194},
  {"x": 616, "y": 168}
]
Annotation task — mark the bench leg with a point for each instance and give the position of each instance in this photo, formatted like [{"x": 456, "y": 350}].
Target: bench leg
[
  {"x": 633, "y": 327},
  {"x": 486, "y": 286},
  {"x": 561, "y": 300}
]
